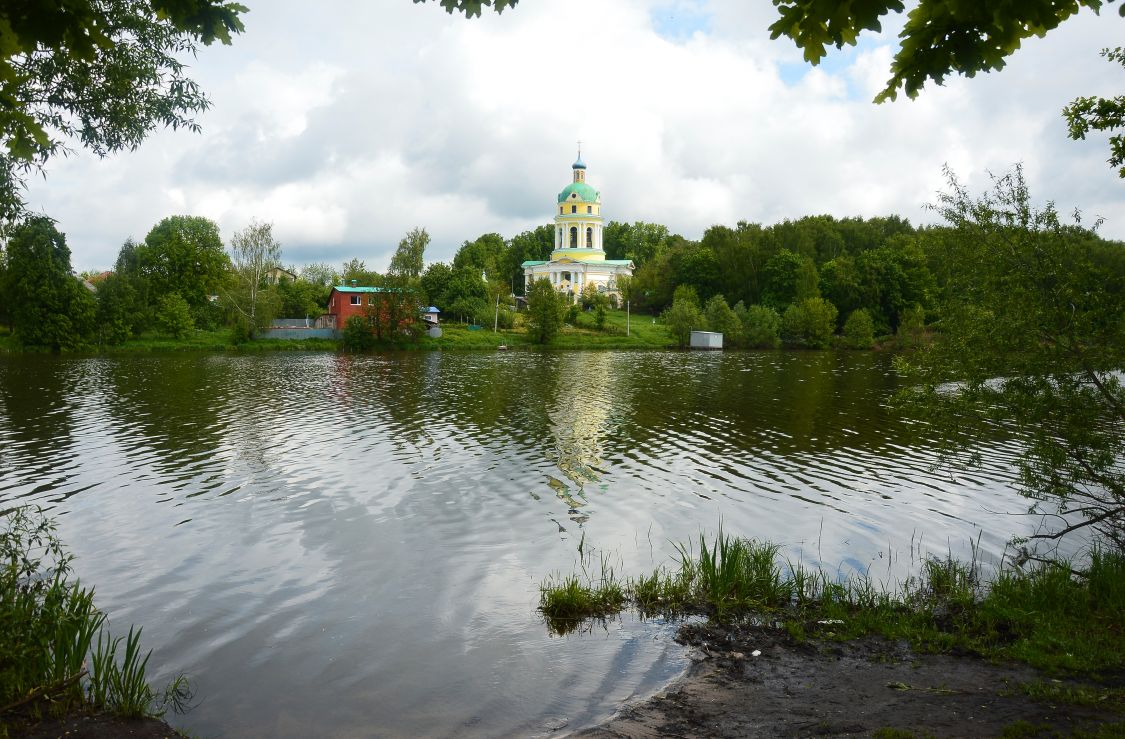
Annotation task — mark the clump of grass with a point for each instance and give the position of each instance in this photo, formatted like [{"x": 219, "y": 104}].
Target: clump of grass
[
  {"x": 1049, "y": 617},
  {"x": 49, "y": 658}
]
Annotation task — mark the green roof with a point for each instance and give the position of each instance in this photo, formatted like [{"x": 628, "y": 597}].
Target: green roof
[
  {"x": 586, "y": 193},
  {"x": 350, "y": 289},
  {"x": 533, "y": 263}
]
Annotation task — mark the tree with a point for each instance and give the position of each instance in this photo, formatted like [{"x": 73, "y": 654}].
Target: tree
[
  {"x": 174, "y": 315},
  {"x": 254, "y": 252},
  {"x": 184, "y": 255},
  {"x": 782, "y": 272},
  {"x": 684, "y": 316},
  {"x": 473, "y": 7},
  {"x": 319, "y": 274},
  {"x": 357, "y": 334},
  {"x": 859, "y": 330},
  {"x": 393, "y": 312},
  {"x": 1033, "y": 342},
  {"x": 356, "y": 271},
  {"x": 545, "y": 307},
  {"x": 48, "y": 306},
  {"x": 762, "y": 327},
  {"x": 435, "y": 284},
  {"x": 104, "y": 73},
  {"x": 722, "y": 319},
  {"x": 940, "y": 37},
  {"x": 1087, "y": 114},
  {"x": 118, "y": 309},
  {"x": 526, "y": 246},
  {"x": 809, "y": 323},
  {"x": 407, "y": 259}
]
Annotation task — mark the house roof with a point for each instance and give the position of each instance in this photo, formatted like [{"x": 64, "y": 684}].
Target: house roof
[{"x": 350, "y": 289}]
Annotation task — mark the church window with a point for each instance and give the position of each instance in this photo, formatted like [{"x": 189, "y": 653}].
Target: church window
[
  {"x": 589, "y": 238},
  {"x": 574, "y": 209},
  {"x": 589, "y": 209},
  {"x": 573, "y": 236},
  {"x": 560, "y": 210}
]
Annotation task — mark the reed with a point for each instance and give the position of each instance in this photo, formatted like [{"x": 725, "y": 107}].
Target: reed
[
  {"x": 1049, "y": 616},
  {"x": 58, "y": 655}
]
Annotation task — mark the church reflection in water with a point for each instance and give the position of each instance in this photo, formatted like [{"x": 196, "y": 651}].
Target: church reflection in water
[{"x": 580, "y": 418}]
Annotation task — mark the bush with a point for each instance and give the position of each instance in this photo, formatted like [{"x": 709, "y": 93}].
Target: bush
[
  {"x": 544, "y": 311},
  {"x": 722, "y": 319},
  {"x": 174, "y": 316},
  {"x": 683, "y": 316},
  {"x": 859, "y": 330},
  {"x": 761, "y": 327},
  {"x": 357, "y": 334},
  {"x": 809, "y": 323}
]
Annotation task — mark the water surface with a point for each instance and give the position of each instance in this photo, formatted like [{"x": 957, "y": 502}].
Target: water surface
[{"x": 340, "y": 545}]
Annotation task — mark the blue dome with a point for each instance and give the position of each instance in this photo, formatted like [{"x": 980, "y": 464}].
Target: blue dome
[{"x": 579, "y": 164}]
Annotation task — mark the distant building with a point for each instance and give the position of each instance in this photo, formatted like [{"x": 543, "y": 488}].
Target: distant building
[
  {"x": 346, "y": 301},
  {"x": 578, "y": 259},
  {"x": 274, "y": 275}
]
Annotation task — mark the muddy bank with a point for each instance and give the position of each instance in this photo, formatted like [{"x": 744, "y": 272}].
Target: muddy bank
[
  {"x": 89, "y": 726},
  {"x": 755, "y": 682}
]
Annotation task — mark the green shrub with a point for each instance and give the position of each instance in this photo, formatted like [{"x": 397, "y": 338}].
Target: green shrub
[
  {"x": 859, "y": 330},
  {"x": 357, "y": 334},
  {"x": 174, "y": 316},
  {"x": 809, "y": 323},
  {"x": 761, "y": 327}
]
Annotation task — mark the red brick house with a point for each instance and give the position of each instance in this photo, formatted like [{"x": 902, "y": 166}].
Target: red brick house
[{"x": 346, "y": 301}]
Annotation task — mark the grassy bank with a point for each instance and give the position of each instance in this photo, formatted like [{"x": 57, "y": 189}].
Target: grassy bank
[
  {"x": 56, "y": 656},
  {"x": 1047, "y": 617}
]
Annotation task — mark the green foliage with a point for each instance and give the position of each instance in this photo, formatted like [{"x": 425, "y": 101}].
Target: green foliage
[
  {"x": 526, "y": 246},
  {"x": 782, "y": 274},
  {"x": 809, "y": 323},
  {"x": 545, "y": 307},
  {"x": 435, "y": 282},
  {"x": 473, "y": 7},
  {"x": 48, "y": 307},
  {"x": 48, "y": 626},
  {"x": 912, "y": 329},
  {"x": 1044, "y": 616},
  {"x": 859, "y": 330},
  {"x": 174, "y": 316},
  {"x": 684, "y": 316},
  {"x": 104, "y": 73},
  {"x": 939, "y": 37},
  {"x": 356, "y": 271},
  {"x": 486, "y": 254},
  {"x": 301, "y": 298},
  {"x": 761, "y": 327},
  {"x": 722, "y": 319},
  {"x": 184, "y": 255},
  {"x": 320, "y": 274},
  {"x": 393, "y": 313},
  {"x": 408, "y": 257},
  {"x": 1086, "y": 114},
  {"x": 357, "y": 336},
  {"x": 254, "y": 252},
  {"x": 1032, "y": 333},
  {"x": 642, "y": 242},
  {"x": 118, "y": 309}
]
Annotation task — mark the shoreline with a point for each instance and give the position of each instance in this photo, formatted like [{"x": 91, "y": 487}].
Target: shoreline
[{"x": 757, "y": 681}]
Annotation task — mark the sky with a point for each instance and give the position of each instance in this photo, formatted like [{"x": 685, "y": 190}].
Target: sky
[{"x": 346, "y": 124}]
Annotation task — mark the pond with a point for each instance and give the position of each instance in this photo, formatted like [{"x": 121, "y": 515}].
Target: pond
[{"x": 347, "y": 545}]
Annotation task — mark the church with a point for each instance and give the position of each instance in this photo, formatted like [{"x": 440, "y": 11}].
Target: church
[{"x": 578, "y": 259}]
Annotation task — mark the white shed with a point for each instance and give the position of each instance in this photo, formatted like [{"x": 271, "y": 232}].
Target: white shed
[{"x": 706, "y": 340}]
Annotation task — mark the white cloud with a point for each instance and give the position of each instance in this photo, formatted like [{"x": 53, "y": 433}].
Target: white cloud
[{"x": 348, "y": 126}]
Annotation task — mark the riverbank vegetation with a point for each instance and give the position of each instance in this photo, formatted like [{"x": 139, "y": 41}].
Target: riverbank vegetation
[
  {"x": 1048, "y": 616},
  {"x": 57, "y": 656}
]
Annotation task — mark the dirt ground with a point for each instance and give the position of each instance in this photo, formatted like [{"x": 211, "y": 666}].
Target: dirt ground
[
  {"x": 92, "y": 726},
  {"x": 756, "y": 682}
]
